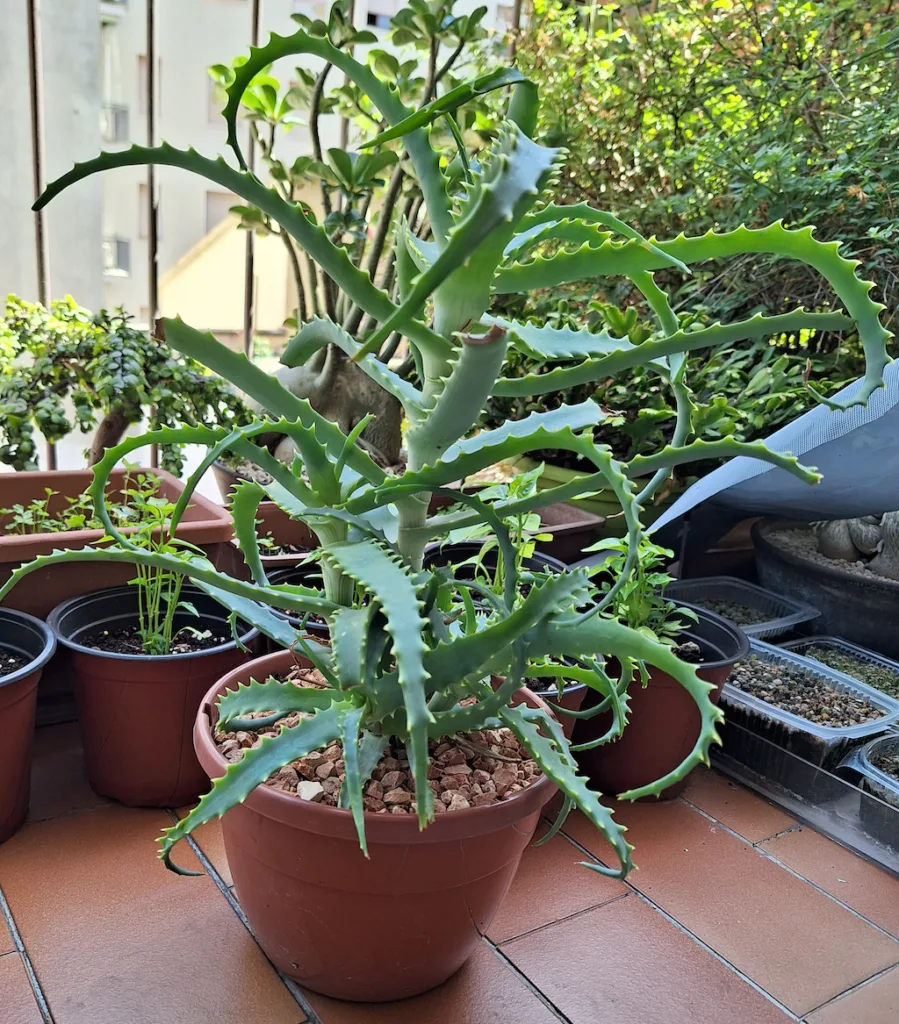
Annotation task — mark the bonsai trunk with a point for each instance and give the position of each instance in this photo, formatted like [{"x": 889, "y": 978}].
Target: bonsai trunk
[{"x": 109, "y": 433}]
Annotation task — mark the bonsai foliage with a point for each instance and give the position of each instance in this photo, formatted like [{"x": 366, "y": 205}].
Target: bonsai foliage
[
  {"x": 407, "y": 656},
  {"x": 109, "y": 370},
  {"x": 359, "y": 196}
]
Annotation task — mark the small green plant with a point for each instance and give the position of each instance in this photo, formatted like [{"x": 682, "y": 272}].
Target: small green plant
[
  {"x": 78, "y": 513},
  {"x": 158, "y": 588},
  {"x": 638, "y": 599}
]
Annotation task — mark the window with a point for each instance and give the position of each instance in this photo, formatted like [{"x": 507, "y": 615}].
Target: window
[
  {"x": 116, "y": 257},
  {"x": 114, "y": 122},
  {"x": 144, "y": 212},
  {"x": 377, "y": 20},
  {"x": 217, "y": 206}
]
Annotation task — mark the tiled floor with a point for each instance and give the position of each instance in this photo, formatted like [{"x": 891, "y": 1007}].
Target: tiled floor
[{"x": 737, "y": 915}]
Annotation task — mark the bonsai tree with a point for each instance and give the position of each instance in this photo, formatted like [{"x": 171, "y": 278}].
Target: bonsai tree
[
  {"x": 113, "y": 374},
  {"x": 360, "y": 195},
  {"x": 409, "y": 647}
]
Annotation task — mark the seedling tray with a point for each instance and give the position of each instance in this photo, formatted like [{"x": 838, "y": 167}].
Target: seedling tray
[
  {"x": 781, "y": 613},
  {"x": 834, "y": 643},
  {"x": 834, "y": 806},
  {"x": 822, "y": 745},
  {"x": 879, "y": 818}
]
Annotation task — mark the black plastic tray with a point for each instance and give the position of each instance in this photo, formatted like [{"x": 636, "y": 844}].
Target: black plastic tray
[{"x": 782, "y": 613}]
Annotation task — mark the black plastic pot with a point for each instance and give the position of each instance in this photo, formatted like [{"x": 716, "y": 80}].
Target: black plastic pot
[
  {"x": 663, "y": 722},
  {"x": 136, "y": 711},
  {"x": 438, "y": 554},
  {"x": 32, "y": 639},
  {"x": 861, "y": 609},
  {"x": 309, "y": 575}
]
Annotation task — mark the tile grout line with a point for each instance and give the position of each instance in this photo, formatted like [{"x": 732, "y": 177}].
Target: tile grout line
[
  {"x": 526, "y": 981},
  {"x": 699, "y": 942},
  {"x": 36, "y": 990},
  {"x": 231, "y": 900},
  {"x": 851, "y": 989},
  {"x": 786, "y": 867},
  {"x": 561, "y": 920}
]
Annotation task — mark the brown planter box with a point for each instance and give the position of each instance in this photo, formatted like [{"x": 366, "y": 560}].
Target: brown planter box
[{"x": 205, "y": 524}]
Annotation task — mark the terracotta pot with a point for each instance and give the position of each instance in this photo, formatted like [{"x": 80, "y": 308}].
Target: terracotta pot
[
  {"x": 34, "y": 640},
  {"x": 274, "y": 521},
  {"x": 205, "y": 524},
  {"x": 372, "y": 930},
  {"x": 664, "y": 723},
  {"x": 137, "y": 711}
]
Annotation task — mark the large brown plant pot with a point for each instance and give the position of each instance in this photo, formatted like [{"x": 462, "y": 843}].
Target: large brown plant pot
[
  {"x": 32, "y": 639},
  {"x": 137, "y": 712},
  {"x": 205, "y": 524},
  {"x": 373, "y": 930},
  {"x": 664, "y": 722}
]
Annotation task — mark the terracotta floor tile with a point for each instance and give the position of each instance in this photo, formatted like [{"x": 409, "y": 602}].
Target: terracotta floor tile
[
  {"x": 211, "y": 841},
  {"x": 793, "y": 941},
  {"x": 58, "y": 777},
  {"x": 874, "y": 1003},
  {"x": 550, "y": 885},
  {"x": 6, "y": 943},
  {"x": 855, "y": 881},
  {"x": 485, "y": 991},
  {"x": 735, "y": 806},
  {"x": 17, "y": 1005},
  {"x": 625, "y": 963},
  {"x": 114, "y": 937}
]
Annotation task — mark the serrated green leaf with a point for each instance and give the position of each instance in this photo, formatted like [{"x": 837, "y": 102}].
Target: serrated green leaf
[{"x": 282, "y": 698}]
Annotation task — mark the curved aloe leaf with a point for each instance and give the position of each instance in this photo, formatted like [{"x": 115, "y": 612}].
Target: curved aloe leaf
[
  {"x": 540, "y": 734},
  {"x": 696, "y": 451},
  {"x": 499, "y": 78},
  {"x": 257, "y": 764},
  {"x": 515, "y": 437},
  {"x": 552, "y": 343},
  {"x": 353, "y": 781},
  {"x": 349, "y": 629},
  {"x": 388, "y": 580},
  {"x": 631, "y": 258},
  {"x": 272, "y": 695},
  {"x": 627, "y": 356},
  {"x": 245, "y": 499},
  {"x": 386, "y": 99}
]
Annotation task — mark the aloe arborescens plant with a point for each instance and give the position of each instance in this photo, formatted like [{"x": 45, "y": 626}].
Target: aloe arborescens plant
[{"x": 409, "y": 646}]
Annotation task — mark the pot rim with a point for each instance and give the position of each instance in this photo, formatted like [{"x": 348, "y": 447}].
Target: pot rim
[
  {"x": 737, "y": 634},
  {"x": 57, "y": 613},
  {"x": 833, "y": 573},
  {"x": 399, "y": 829},
  {"x": 36, "y": 664}
]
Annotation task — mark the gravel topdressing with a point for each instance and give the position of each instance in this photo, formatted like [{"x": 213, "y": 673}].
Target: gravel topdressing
[
  {"x": 887, "y": 762},
  {"x": 740, "y": 614},
  {"x": 880, "y": 678},
  {"x": 804, "y": 544},
  {"x": 800, "y": 692},
  {"x": 471, "y": 770}
]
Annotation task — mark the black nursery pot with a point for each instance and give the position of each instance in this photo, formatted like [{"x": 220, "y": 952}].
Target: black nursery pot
[
  {"x": 137, "y": 711},
  {"x": 33, "y": 640},
  {"x": 438, "y": 554},
  {"x": 309, "y": 575},
  {"x": 664, "y": 721}
]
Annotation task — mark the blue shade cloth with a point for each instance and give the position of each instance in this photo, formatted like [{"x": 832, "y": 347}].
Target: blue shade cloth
[{"x": 857, "y": 452}]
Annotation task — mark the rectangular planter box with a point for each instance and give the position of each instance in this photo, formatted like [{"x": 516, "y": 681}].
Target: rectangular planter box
[
  {"x": 819, "y": 744},
  {"x": 272, "y": 519},
  {"x": 205, "y": 524}
]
